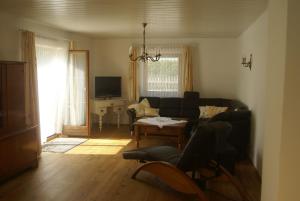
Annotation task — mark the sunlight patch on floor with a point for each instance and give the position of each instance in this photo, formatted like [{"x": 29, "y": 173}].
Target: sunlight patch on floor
[
  {"x": 100, "y": 147},
  {"x": 107, "y": 142}
]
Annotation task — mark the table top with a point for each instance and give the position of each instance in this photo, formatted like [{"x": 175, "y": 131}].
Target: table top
[{"x": 181, "y": 124}]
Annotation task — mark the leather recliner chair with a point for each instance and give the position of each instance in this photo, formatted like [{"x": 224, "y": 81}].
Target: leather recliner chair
[{"x": 205, "y": 148}]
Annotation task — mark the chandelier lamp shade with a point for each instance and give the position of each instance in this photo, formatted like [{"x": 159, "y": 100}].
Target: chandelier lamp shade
[{"x": 145, "y": 56}]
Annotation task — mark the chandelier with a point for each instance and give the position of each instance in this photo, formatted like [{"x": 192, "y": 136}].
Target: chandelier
[{"x": 145, "y": 56}]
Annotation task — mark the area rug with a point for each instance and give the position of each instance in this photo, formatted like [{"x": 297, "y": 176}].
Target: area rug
[{"x": 62, "y": 145}]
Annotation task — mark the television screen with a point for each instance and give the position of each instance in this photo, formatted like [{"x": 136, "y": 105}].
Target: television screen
[{"x": 107, "y": 87}]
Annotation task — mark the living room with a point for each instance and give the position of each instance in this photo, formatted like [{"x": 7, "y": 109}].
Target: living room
[{"x": 268, "y": 89}]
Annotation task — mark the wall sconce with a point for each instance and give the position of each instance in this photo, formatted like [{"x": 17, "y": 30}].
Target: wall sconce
[{"x": 247, "y": 64}]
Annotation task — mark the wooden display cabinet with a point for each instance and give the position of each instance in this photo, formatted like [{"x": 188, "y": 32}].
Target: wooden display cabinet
[{"x": 18, "y": 141}]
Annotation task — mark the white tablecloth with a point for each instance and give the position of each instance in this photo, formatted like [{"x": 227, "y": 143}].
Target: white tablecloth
[{"x": 160, "y": 121}]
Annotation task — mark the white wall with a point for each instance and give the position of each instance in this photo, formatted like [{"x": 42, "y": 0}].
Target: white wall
[
  {"x": 214, "y": 67},
  {"x": 9, "y": 38},
  {"x": 251, "y": 84},
  {"x": 111, "y": 59},
  {"x": 282, "y": 143},
  {"x": 290, "y": 140},
  {"x": 10, "y": 27},
  {"x": 277, "y": 10}
]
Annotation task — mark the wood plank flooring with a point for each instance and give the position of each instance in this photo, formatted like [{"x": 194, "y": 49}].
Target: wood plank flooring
[{"x": 88, "y": 177}]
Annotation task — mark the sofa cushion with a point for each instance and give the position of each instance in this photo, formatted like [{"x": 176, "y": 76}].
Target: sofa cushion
[
  {"x": 151, "y": 112},
  {"x": 219, "y": 102},
  {"x": 157, "y": 153},
  {"x": 189, "y": 108},
  {"x": 154, "y": 101},
  {"x": 170, "y": 107},
  {"x": 191, "y": 95}
]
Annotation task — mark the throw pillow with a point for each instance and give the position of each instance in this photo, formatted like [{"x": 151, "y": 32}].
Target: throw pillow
[
  {"x": 140, "y": 107},
  {"x": 144, "y": 103},
  {"x": 139, "y": 111},
  {"x": 210, "y": 111},
  {"x": 151, "y": 112}
]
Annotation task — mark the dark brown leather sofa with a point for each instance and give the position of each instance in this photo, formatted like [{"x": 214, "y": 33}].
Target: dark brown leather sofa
[{"x": 238, "y": 115}]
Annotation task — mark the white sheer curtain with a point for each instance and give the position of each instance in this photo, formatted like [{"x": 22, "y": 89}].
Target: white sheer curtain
[
  {"x": 75, "y": 103},
  {"x": 163, "y": 78},
  {"x": 52, "y": 59}
]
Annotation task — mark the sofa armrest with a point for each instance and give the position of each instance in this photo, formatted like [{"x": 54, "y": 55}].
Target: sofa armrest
[
  {"x": 241, "y": 126},
  {"x": 132, "y": 118},
  {"x": 131, "y": 112}
]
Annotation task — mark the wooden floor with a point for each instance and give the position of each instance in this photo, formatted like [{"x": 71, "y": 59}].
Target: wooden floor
[{"x": 106, "y": 177}]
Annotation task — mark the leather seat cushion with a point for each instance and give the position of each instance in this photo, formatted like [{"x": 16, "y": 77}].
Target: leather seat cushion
[{"x": 157, "y": 153}]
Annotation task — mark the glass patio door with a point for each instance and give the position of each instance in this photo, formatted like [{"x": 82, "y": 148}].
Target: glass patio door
[{"x": 76, "y": 119}]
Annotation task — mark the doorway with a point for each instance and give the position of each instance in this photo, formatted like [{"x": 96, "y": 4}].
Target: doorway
[
  {"x": 63, "y": 89},
  {"x": 76, "y": 122}
]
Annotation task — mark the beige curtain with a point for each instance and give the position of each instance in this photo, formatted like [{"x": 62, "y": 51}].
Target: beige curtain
[
  {"x": 188, "y": 70},
  {"x": 133, "y": 78},
  {"x": 29, "y": 56},
  {"x": 72, "y": 45}
]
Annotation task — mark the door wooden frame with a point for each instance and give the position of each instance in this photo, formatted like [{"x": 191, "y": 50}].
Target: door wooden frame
[{"x": 73, "y": 128}]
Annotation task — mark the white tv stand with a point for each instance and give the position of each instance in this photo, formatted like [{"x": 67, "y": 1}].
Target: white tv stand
[{"x": 101, "y": 106}]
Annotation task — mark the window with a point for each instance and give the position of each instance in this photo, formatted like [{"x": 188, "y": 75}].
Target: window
[
  {"x": 162, "y": 78},
  {"x": 52, "y": 59},
  {"x": 163, "y": 75}
]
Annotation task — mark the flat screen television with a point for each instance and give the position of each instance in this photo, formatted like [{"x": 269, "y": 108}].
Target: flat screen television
[{"x": 106, "y": 87}]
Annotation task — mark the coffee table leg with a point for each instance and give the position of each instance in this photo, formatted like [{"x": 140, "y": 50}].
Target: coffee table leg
[
  {"x": 179, "y": 142},
  {"x": 137, "y": 137}
]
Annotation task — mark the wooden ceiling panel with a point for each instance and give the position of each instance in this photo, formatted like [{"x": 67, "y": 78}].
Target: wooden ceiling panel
[{"x": 123, "y": 18}]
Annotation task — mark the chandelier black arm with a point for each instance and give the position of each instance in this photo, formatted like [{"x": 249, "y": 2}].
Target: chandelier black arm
[
  {"x": 145, "y": 57},
  {"x": 157, "y": 57},
  {"x": 153, "y": 59}
]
